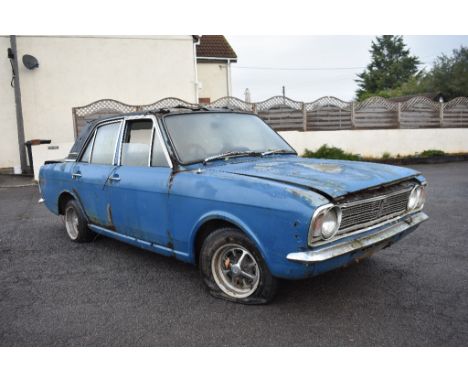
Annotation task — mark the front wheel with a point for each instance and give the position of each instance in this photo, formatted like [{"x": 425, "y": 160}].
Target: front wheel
[{"x": 233, "y": 269}]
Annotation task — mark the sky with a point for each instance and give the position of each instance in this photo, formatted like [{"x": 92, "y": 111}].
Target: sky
[{"x": 343, "y": 57}]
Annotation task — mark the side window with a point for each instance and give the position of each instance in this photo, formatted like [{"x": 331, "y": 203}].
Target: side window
[
  {"x": 137, "y": 142},
  {"x": 87, "y": 154},
  {"x": 158, "y": 159},
  {"x": 105, "y": 143}
]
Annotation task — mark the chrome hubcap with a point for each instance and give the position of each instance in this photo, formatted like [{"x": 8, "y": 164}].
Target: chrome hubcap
[
  {"x": 71, "y": 222},
  {"x": 235, "y": 271}
]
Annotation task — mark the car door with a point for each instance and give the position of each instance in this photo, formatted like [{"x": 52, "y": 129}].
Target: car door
[
  {"x": 138, "y": 187},
  {"x": 91, "y": 172}
]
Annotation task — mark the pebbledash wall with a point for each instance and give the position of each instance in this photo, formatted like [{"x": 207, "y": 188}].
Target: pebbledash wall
[{"x": 76, "y": 70}]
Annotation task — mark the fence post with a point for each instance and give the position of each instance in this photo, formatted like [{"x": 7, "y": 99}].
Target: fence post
[
  {"x": 304, "y": 116},
  {"x": 353, "y": 121},
  {"x": 441, "y": 114},
  {"x": 75, "y": 125},
  {"x": 399, "y": 115}
]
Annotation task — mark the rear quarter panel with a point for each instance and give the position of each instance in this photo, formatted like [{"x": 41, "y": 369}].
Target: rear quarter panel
[{"x": 54, "y": 179}]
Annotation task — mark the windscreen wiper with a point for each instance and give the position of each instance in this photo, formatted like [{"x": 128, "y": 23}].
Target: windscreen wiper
[
  {"x": 280, "y": 151},
  {"x": 232, "y": 154}
]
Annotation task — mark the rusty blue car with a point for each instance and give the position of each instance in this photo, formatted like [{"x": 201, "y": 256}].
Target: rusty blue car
[{"x": 220, "y": 189}]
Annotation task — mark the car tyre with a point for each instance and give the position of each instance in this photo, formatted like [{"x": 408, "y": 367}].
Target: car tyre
[
  {"x": 233, "y": 269},
  {"x": 76, "y": 223}
]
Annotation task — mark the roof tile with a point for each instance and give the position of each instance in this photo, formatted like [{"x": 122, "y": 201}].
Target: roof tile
[{"x": 215, "y": 46}]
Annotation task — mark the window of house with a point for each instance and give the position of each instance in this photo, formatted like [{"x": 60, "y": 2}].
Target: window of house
[{"x": 136, "y": 143}]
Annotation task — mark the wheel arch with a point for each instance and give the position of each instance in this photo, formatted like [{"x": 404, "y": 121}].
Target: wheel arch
[
  {"x": 214, "y": 221},
  {"x": 64, "y": 197}
]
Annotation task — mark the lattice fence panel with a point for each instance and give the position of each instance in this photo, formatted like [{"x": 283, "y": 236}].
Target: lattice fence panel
[
  {"x": 420, "y": 112},
  {"x": 376, "y": 113},
  {"x": 456, "y": 113},
  {"x": 326, "y": 113},
  {"x": 167, "y": 103},
  {"x": 233, "y": 103},
  {"x": 99, "y": 109},
  {"x": 283, "y": 118}
]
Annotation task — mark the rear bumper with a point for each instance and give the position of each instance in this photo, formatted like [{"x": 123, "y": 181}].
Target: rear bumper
[{"x": 358, "y": 244}]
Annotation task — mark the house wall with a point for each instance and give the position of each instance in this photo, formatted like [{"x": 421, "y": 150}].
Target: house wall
[
  {"x": 214, "y": 80},
  {"x": 9, "y": 156},
  {"x": 374, "y": 143},
  {"x": 75, "y": 71}
]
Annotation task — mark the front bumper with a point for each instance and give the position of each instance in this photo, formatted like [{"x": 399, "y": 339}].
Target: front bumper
[{"x": 372, "y": 239}]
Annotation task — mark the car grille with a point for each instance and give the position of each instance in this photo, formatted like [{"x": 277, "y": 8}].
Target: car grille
[{"x": 366, "y": 212}]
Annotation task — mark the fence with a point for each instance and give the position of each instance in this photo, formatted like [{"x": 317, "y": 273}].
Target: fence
[{"x": 326, "y": 113}]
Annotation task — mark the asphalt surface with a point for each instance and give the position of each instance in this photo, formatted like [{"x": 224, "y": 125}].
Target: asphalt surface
[{"x": 54, "y": 292}]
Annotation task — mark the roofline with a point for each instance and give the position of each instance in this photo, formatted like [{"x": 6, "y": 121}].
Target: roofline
[{"x": 228, "y": 59}]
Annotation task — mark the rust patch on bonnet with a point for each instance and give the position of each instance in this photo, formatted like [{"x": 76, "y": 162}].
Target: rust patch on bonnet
[
  {"x": 330, "y": 168},
  {"x": 310, "y": 197}
]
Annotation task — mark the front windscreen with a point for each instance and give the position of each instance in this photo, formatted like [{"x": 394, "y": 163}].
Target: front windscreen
[{"x": 199, "y": 136}]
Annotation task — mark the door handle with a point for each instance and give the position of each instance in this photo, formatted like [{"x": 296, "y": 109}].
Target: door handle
[
  {"x": 76, "y": 175},
  {"x": 115, "y": 178}
]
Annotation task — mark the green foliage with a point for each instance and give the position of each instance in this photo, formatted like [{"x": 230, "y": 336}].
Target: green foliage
[
  {"x": 391, "y": 66},
  {"x": 386, "y": 155},
  {"x": 449, "y": 75},
  {"x": 432, "y": 153},
  {"x": 330, "y": 152}
]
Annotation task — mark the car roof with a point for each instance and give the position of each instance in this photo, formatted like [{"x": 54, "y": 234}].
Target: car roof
[
  {"x": 89, "y": 128},
  {"x": 172, "y": 110}
]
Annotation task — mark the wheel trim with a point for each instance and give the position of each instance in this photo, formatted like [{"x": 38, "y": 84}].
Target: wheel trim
[
  {"x": 71, "y": 222},
  {"x": 235, "y": 270}
]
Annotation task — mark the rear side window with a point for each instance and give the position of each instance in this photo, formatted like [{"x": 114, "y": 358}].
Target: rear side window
[
  {"x": 105, "y": 143},
  {"x": 136, "y": 143}
]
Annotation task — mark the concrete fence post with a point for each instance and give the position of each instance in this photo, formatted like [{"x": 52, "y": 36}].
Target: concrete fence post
[
  {"x": 304, "y": 116},
  {"x": 441, "y": 114},
  {"x": 353, "y": 120},
  {"x": 399, "y": 115}
]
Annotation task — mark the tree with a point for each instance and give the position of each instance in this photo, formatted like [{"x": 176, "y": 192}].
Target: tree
[
  {"x": 449, "y": 75},
  {"x": 391, "y": 66}
]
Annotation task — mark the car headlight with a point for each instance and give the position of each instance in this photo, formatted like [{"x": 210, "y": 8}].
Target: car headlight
[
  {"x": 325, "y": 223},
  {"x": 417, "y": 198}
]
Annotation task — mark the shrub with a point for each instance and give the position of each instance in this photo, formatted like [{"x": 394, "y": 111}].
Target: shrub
[
  {"x": 386, "y": 155},
  {"x": 330, "y": 152},
  {"x": 432, "y": 153}
]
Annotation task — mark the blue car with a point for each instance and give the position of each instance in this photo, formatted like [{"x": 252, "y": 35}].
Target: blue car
[{"x": 220, "y": 189}]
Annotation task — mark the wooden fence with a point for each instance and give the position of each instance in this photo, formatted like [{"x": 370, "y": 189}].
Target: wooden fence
[{"x": 327, "y": 113}]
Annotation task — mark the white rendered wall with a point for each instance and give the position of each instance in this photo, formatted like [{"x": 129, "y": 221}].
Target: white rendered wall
[
  {"x": 214, "y": 80},
  {"x": 374, "y": 143},
  {"x": 75, "y": 71}
]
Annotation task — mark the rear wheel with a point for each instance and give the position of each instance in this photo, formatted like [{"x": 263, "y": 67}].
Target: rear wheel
[
  {"x": 76, "y": 224},
  {"x": 233, "y": 269}
]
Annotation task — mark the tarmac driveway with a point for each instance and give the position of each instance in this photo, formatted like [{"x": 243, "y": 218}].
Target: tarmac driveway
[{"x": 55, "y": 292}]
